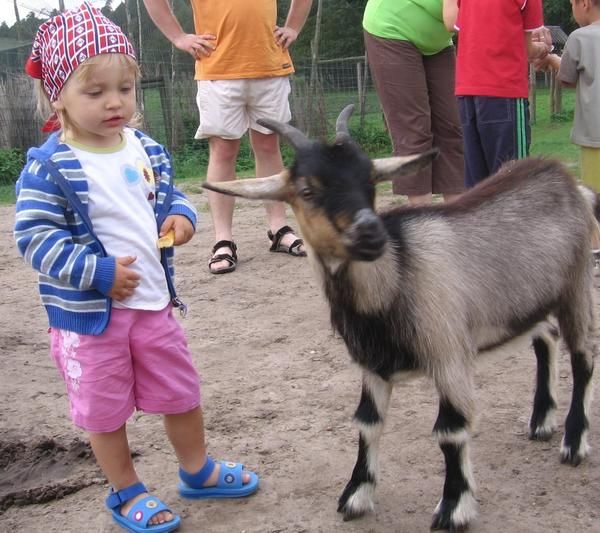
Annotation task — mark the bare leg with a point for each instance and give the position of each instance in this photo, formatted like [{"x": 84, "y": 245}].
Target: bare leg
[
  {"x": 450, "y": 197},
  {"x": 419, "y": 199},
  {"x": 426, "y": 199},
  {"x": 268, "y": 162},
  {"x": 221, "y": 167},
  {"x": 114, "y": 457},
  {"x": 186, "y": 433}
]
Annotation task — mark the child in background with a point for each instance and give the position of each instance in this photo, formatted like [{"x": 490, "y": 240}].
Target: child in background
[
  {"x": 495, "y": 43},
  {"x": 92, "y": 202},
  {"x": 579, "y": 67}
]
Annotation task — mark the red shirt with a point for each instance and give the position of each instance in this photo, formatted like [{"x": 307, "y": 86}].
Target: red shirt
[{"x": 492, "y": 53}]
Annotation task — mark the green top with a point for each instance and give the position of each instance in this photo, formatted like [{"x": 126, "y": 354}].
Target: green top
[{"x": 419, "y": 21}]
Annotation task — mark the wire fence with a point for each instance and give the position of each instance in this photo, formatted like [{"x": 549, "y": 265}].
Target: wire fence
[{"x": 167, "y": 98}]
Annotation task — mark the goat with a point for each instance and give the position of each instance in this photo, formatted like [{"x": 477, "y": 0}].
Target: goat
[{"x": 427, "y": 288}]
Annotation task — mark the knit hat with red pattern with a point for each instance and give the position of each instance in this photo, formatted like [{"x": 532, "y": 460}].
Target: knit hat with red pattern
[{"x": 65, "y": 41}]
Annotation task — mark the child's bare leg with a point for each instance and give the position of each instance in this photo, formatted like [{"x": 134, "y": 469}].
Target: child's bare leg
[
  {"x": 186, "y": 433},
  {"x": 114, "y": 457}
]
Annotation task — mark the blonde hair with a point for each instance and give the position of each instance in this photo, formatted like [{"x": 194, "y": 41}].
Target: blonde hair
[{"x": 44, "y": 107}]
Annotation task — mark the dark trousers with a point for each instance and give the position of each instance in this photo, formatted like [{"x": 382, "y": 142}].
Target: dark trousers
[
  {"x": 417, "y": 97},
  {"x": 495, "y": 130}
]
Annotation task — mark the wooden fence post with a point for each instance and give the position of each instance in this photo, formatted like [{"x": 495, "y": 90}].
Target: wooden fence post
[{"x": 532, "y": 95}]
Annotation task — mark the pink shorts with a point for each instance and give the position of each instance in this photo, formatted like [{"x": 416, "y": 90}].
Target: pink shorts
[{"x": 141, "y": 361}]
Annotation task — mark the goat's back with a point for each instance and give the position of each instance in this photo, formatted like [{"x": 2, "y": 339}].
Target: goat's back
[{"x": 508, "y": 251}]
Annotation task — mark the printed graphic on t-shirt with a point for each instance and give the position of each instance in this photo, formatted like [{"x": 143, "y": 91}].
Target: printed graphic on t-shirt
[{"x": 139, "y": 174}]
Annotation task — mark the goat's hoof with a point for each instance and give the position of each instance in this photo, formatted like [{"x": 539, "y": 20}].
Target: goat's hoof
[
  {"x": 349, "y": 512},
  {"x": 572, "y": 454},
  {"x": 541, "y": 433},
  {"x": 356, "y": 500},
  {"x": 442, "y": 521},
  {"x": 455, "y": 514},
  {"x": 570, "y": 457}
]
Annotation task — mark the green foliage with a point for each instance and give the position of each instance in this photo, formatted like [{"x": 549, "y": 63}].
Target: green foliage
[
  {"x": 373, "y": 139},
  {"x": 558, "y": 13},
  {"x": 341, "y": 29},
  {"x": 11, "y": 164}
]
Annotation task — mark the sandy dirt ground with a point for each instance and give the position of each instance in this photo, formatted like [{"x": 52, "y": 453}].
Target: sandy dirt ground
[{"x": 279, "y": 392}]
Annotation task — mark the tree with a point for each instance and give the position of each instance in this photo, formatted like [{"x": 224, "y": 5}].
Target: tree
[
  {"x": 18, "y": 19},
  {"x": 341, "y": 29},
  {"x": 558, "y": 13}
]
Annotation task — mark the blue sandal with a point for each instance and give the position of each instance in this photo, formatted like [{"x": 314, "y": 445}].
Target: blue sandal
[
  {"x": 229, "y": 484},
  {"x": 142, "y": 511}
]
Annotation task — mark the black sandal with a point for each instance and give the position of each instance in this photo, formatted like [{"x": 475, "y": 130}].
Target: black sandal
[
  {"x": 230, "y": 258},
  {"x": 277, "y": 246}
]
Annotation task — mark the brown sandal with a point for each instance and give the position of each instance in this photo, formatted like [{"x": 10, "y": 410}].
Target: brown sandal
[
  {"x": 230, "y": 258},
  {"x": 277, "y": 246}
]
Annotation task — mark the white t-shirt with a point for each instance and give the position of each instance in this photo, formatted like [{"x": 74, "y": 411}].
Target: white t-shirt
[{"x": 121, "y": 207}]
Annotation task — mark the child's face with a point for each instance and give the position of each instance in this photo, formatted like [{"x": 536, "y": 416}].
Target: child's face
[{"x": 99, "y": 104}]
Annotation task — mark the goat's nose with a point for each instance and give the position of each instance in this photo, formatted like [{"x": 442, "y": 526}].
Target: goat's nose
[
  {"x": 367, "y": 236},
  {"x": 366, "y": 218},
  {"x": 368, "y": 224}
]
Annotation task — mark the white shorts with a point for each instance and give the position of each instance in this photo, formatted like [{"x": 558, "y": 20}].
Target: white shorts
[{"x": 229, "y": 107}]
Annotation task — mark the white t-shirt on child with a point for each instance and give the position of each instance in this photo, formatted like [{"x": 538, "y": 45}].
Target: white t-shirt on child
[{"x": 121, "y": 208}]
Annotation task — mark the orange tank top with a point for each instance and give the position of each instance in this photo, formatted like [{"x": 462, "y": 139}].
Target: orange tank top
[{"x": 245, "y": 43}]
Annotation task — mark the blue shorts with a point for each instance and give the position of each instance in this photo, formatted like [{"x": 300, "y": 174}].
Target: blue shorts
[{"x": 495, "y": 130}]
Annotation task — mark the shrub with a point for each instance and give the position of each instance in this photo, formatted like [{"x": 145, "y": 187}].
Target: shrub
[{"x": 11, "y": 164}]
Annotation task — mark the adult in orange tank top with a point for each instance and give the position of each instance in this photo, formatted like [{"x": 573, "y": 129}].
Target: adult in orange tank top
[{"x": 242, "y": 69}]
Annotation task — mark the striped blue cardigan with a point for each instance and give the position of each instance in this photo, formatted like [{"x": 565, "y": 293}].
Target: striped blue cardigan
[{"x": 55, "y": 235}]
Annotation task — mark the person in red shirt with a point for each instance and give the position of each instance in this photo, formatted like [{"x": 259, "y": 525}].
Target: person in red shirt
[{"x": 495, "y": 45}]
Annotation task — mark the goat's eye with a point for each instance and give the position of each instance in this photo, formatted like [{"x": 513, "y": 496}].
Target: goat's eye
[{"x": 306, "y": 194}]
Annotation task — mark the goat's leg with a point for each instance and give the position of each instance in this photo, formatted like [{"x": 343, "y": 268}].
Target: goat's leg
[
  {"x": 576, "y": 325},
  {"x": 458, "y": 506},
  {"x": 574, "y": 445},
  {"x": 357, "y": 497},
  {"x": 542, "y": 422}
]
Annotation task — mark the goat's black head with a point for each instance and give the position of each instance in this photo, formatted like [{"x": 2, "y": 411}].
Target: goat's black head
[{"x": 331, "y": 188}]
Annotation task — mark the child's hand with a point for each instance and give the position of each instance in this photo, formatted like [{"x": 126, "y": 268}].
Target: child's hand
[
  {"x": 126, "y": 279},
  {"x": 550, "y": 62},
  {"x": 184, "y": 230}
]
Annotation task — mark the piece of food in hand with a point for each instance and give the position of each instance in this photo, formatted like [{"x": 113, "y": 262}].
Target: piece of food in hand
[{"x": 167, "y": 240}]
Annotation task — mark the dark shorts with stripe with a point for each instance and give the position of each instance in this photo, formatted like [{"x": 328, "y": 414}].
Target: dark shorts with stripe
[{"x": 495, "y": 130}]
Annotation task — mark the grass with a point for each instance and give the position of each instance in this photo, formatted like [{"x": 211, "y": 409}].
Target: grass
[
  {"x": 551, "y": 134},
  {"x": 550, "y": 138}
]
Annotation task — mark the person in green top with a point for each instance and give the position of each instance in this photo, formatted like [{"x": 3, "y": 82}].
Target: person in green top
[{"x": 412, "y": 60}]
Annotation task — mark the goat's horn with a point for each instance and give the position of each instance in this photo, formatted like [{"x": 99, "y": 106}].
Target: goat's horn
[
  {"x": 391, "y": 167},
  {"x": 341, "y": 125},
  {"x": 292, "y": 135},
  {"x": 271, "y": 188}
]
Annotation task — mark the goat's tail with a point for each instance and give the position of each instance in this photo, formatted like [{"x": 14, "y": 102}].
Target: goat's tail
[{"x": 593, "y": 200}]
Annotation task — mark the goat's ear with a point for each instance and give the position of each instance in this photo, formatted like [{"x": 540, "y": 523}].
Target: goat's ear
[
  {"x": 392, "y": 167},
  {"x": 272, "y": 188}
]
